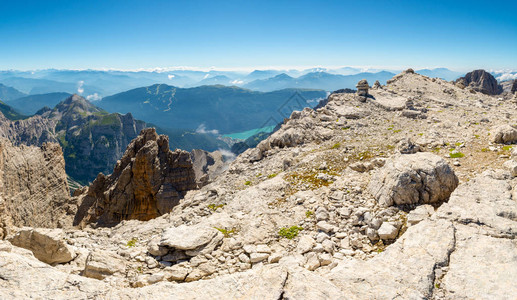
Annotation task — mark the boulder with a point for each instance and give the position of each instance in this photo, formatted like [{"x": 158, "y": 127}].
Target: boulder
[
  {"x": 147, "y": 182},
  {"x": 480, "y": 81},
  {"x": 387, "y": 231},
  {"x": 514, "y": 86},
  {"x": 413, "y": 179},
  {"x": 47, "y": 245},
  {"x": 504, "y": 134},
  {"x": 101, "y": 264},
  {"x": 190, "y": 238}
]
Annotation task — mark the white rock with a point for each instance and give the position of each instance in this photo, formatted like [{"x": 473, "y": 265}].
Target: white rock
[
  {"x": 186, "y": 237},
  {"x": 387, "y": 231},
  {"x": 312, "y": 261},
  {"x": 263, "y": 249},
  {"x": 325, "y": 226},
  {"x": 257, "y": 257},
  {"x": 305, "y": 244}
]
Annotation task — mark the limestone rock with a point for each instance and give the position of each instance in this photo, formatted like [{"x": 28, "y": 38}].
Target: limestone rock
[
  {"x": 146, "y": 183},
  {"x": 47, "y": 245},
  {"x": 407, "y": 146},
  {"x": 405, "y": 269},
  {"x": 504, "y": 134},
  {"x": 101, "y": 264},
  {"x": 481, "y": 81},
  {"x": 206, "y": 165},
  {"x": 33, "y": 187},
  {"x": 188, "y": 237},
  {"x": 419, "y": 214},
  {"x": 414, "y": 178},
  {"x": 387, "y": 231}
]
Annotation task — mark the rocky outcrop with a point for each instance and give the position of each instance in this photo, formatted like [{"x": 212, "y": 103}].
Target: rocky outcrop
[
  {"x": 207, "y": 165},
  {"x": 47, "y": 245},
  {"x": 148, "y": 181},
  {"x": 480, "y": 81},
  {"x": 504, "y": 134},
  {"x": 33, "y": 186},
  {"x": 413, "y": 179},
  {"x": 514, "y": 86}
]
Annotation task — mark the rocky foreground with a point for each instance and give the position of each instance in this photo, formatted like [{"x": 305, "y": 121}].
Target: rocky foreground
[{"x": 403, "y": 191}]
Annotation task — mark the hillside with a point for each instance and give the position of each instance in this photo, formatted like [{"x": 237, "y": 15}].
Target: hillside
[
  {"x": 10, "y": 113},
  {"x": 29, "y": 105},
  {"x": 221, "y": 108},
  {"x": 403, "y": 191},
  {"x": 8, "y": 93}
]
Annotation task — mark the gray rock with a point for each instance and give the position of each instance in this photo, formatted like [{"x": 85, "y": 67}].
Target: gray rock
[
  {"x": 414, "y": 178},
  {"x": 504, "y": 134},
  {"x": 101, "y": 264},
  {"x": 47, "y": 245},
  {"x": 481, "y": 81}
]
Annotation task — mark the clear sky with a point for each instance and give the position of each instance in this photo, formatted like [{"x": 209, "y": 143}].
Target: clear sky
[{"x": 129, "y": 34}]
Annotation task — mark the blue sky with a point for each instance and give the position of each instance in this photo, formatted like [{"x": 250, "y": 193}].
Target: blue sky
[{"x": 128, "y": 34}]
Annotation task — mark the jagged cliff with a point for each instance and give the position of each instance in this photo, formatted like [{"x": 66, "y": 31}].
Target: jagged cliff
[
  {"x": 147, "y": 182},
  {"x": 33, "y": 186},
  {"x": 480, "y": 81}
]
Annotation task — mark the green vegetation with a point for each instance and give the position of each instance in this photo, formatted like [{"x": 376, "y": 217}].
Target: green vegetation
[
  {"x": 289, "y": 233},
  {"x": 397, "y": 130},
  {"x": 336, "y": 146},
  {"x": 456, "y": 154},
  {"x": 272, "y": 175},
  {"x": 247, "y": 182},
  {"x": 214, "y": 207},
  {"x": 131, "y": 243},
  {"x": 507, "y": 148},
  {"x": 309, "y": 213},
  {"x": 227, "y": 233}
]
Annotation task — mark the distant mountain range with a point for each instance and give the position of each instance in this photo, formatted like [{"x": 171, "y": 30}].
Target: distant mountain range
[
  {"x": 96, "y": 84},
  {"x": 207, "y": 108},
  {"x": 319, "y": 80}
]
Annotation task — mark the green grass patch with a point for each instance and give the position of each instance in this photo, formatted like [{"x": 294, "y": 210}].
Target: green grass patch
[
  {"x": 309, "y": 213},
  {"x": 131, "y": 243},
  {"x": 247, "y": 182},
  {"x": 289, "y": 233},
  {"x": 336, "y": 146},
  {"x": 227, "y": 232},
  {"x": 214, "y": 207}
]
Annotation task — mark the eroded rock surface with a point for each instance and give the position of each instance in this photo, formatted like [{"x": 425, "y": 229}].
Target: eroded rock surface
[
  {"x": 147, "y": 182},
  {"x": 480, "y": 81},
  {"x": 413, "y": 179},
  {"x": 33, "y": 187}
]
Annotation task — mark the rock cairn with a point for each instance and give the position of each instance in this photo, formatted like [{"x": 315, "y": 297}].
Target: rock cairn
[{"x": 362, "y": 90}]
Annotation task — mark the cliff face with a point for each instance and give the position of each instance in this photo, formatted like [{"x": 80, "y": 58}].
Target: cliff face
[
  {"x": 33, "y": 186},
  {"x": 480, "y": 81},
  {"x": 147, "y": 182},
  {"x": 92, "y": 140}
]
